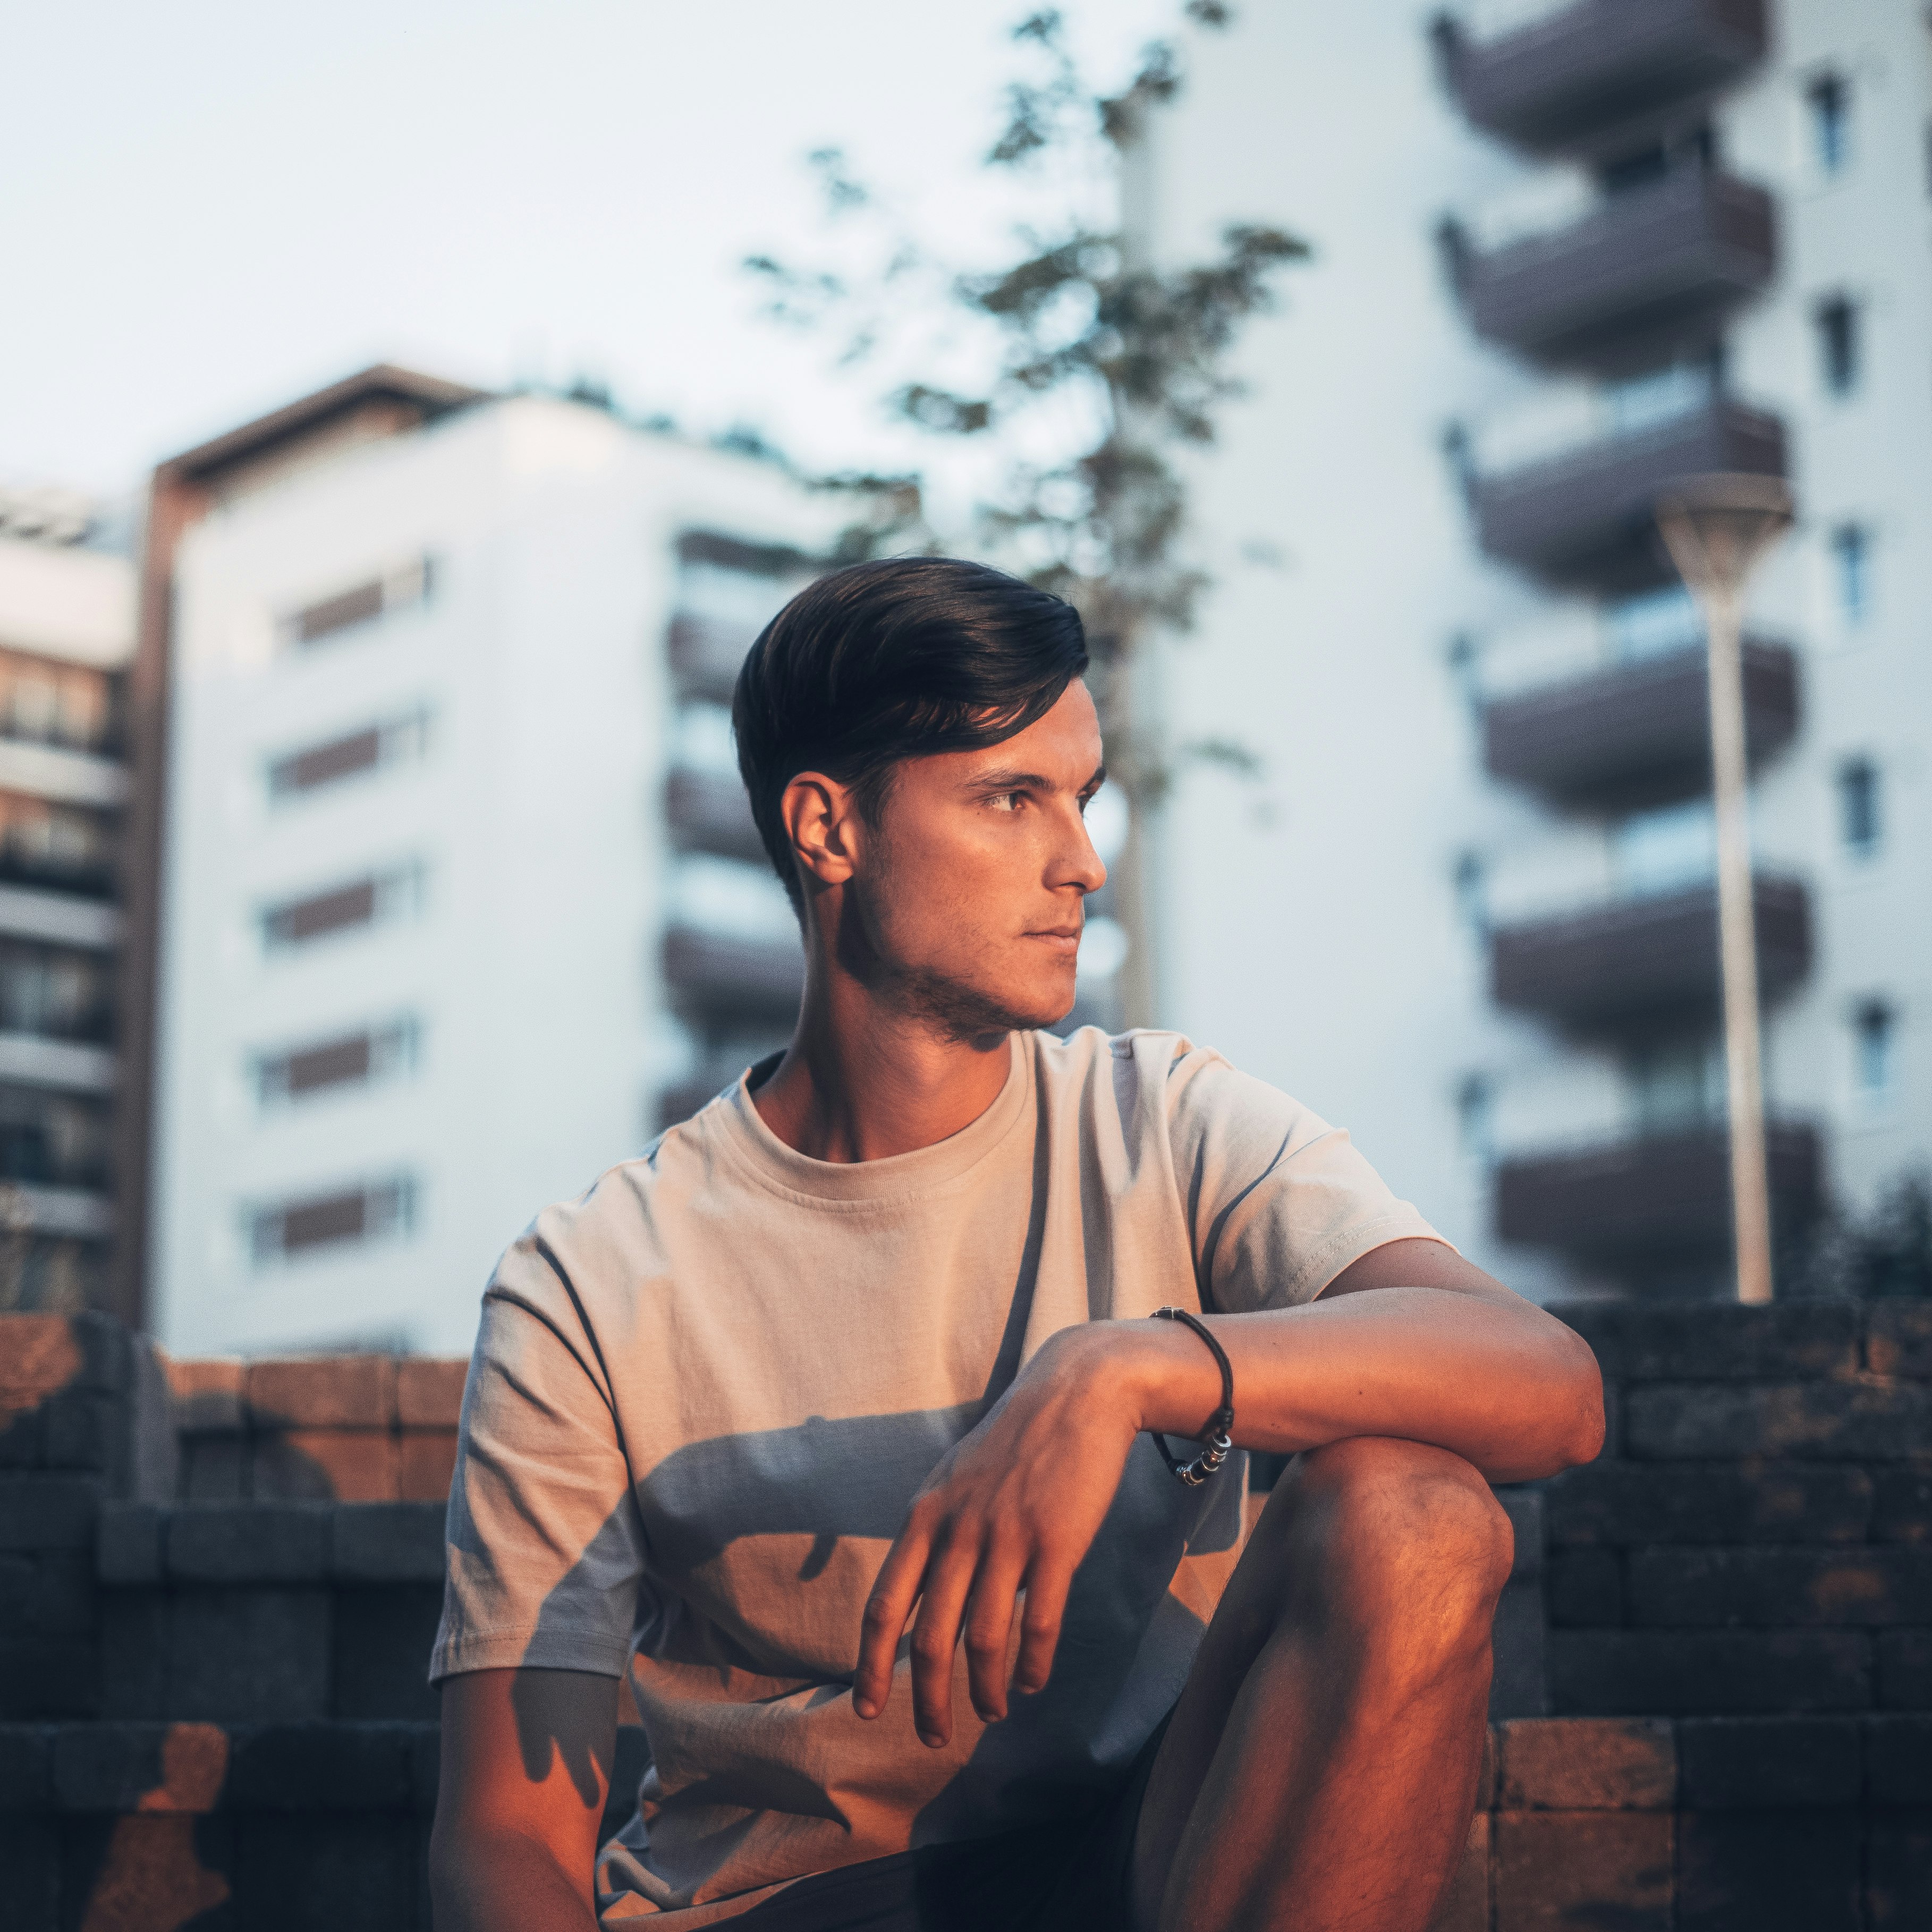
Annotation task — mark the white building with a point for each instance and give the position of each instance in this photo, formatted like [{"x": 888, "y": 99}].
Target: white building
[
  {"x": 67, "y": 634},
  {"x": 1565, "y": 253},
  {"x": 460, "y": 893}
]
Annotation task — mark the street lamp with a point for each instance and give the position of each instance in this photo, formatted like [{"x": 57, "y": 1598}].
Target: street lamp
[{"x": 1718, "y": 527}]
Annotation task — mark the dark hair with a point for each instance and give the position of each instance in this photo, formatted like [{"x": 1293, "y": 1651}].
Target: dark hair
[{"x": 894, "y": 659}]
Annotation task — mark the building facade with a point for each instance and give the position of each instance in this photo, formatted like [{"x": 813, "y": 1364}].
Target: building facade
[
  {"x": 66, "y": 634},
  {"x": 459, "y": 898},
  {"x": 1565, "y": 254}
]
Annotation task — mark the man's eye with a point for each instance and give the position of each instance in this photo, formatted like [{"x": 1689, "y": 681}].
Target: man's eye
[{"x": 1007, "y": 801}]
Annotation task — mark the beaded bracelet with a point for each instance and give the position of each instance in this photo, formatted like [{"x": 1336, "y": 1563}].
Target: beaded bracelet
[{"x": 1218, "y": 1435}]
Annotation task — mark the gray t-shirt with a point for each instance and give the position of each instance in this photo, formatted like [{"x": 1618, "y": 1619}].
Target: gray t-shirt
[{"x": 704, "y": 1395}]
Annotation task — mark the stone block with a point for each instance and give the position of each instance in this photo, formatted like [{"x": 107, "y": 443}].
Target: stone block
[
  {"x": 385, "y": 1542},
  {"x": 1647, "y": 1341},
  {"x": 383, "y": 1636},
  {"x": 323, "y": 1871},
  {"x": 1777, "y": 1871},
  {"x": 49, "y": 1511},
  {"x": 209, "y": 1396},
  {"x": 49, "y": 1676},
  {"x": 1732, "y": 1764},
  {"x": 350, "y": 1465},
  {"x": 26, "y": 1768},
  {"x": 1846, "y": 1421},
  {"x": 1898, "y": 1759},
  {"x": 1905, "y": 1670},
  {"x": 22, "y": 1437},
  {"x": 140, "y": 1767},
  {"x": 152, "y": 1446},
  {"x": 1556, "y": 1871},
  {"x": 1857, "y": 1586},
  {"x": 127, "y": 1543},
  {"x": 324, "y": 1767},
  {"x": 148, "y": 1870},
  {"x": 1898, "y": 1873},
  {"x": 48, "y": 1595},
  {"x": 1708, "y": 1673},
  {"x": 30, "y": 1856},
  {"x": 1523, "y": 1505},
  {"x": 41, "y": 1355},
  {"x": 85, "y": 1429},
  {"x": 1464, "y": 1906},
  {"x": 1629, "y": 1503},
  {"x": 1898, "y": 1339},
  {"x": 249, "y": 1542},
  {"x": 214, "y": 1469},
  {"x": 1585, "y": 1589},
  {"x": 243, "y": 1656},
  {"x": 1902, "y": 1509},
  {"x": 427, "y": 1465},
  {"x": 1516, "y": 1652},
  {"x": 429, "y": 1391},
  {"x": 134, "y": 1644},
  {"x": 1587, "y": 1764},
  {"x": 323, "y": 1392},
  {"x": 426, "y": 1766}
]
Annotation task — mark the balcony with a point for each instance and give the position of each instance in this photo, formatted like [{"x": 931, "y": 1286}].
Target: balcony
[
  {"x": 722, "y": 983},
  {"x": 1581, "y": 79},
  {"x": 708, "y": 811},
  {"x": 1664, "y": 1196},
  {"x": 706, "y": 653},
  {"x": 1644, "y": 961},
  {"x": 1636, "y": 733},
  {"x": 1586, "y": 516},
  {"x": 1657, "y": 265}
]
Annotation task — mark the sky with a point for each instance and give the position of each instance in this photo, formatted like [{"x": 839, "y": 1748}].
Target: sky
[{"x": 211, "y": 208}]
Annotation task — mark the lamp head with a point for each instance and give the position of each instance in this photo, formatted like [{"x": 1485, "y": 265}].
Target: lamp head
[{"x": 1718, "y": 526}]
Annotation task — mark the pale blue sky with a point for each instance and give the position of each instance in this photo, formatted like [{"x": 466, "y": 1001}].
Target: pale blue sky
[{"x": 210, "y": 207}]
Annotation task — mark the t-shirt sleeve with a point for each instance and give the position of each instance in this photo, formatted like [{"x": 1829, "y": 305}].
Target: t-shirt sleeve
[
  {"x": 1279, "y": 1201},
  {"x": 544, "y": 1548}
]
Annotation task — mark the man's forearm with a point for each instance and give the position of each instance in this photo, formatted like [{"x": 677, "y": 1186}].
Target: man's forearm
[{"x": 504, "y": 1881}]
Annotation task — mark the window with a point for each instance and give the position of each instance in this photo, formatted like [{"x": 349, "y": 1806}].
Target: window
[
  {"x": 349, "y": 756},
  {"x": 371, "y": 1211},
  {"x": 1667, "y": 850},
  {"x": 67, "y": 847},
  {"x": 52, "y": 1140},
  {"x": 359, "y": 1059},
  {"x": 1860, "y": 825},
  {"x": 54, "y": 994},
  {"x": 1677, "y": 1086},
  {"x": 1874, "y": 1038},
  {"x": 50, "y": 704},
  {"x": 343, "y": 908},
  {"x": 1837, "y": 320},
  {"x": 1472, "y": 896},
  {"x": 1475, "y": 1116},
  {"x": 360, "y": 604},
  {"x": 1829, "y": 102},
  {"x": 1655, "y": 624},
  {"x": 1851, "y": 566}
]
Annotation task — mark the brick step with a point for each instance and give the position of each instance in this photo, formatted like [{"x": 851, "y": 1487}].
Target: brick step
[
  {"x": 1857, "y": 1586},
  {"x": 1810, "y": 1823},
  {"x": 1754, "y": 1500}
]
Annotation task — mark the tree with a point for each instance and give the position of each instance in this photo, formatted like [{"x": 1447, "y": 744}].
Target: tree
[{"x": 1097, "y": 368}]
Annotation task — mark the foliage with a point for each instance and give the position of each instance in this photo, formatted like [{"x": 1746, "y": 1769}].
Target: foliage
[{"x": 1887, "y": 1253}]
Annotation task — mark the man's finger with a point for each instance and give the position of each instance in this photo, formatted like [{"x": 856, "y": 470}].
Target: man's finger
[
  {"x": 935, "y": 1636},
  {"x": 886, "y": 1610},
  {"x": 1046, "y": 1590},
  {"x": 989, "y": 1624}
]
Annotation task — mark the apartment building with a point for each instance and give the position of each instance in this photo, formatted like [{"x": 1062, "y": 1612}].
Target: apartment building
[
  {"x": 459, "y": 896},
  {"x": 1565, "y": 254},
  {"x": 67, "y": 634}
]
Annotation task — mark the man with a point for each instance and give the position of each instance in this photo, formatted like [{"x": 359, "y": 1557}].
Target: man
[{"x": 828, "y": 1423}]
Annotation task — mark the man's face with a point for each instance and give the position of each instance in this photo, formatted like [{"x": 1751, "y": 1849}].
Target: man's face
[{"x": 970, "y": 892}]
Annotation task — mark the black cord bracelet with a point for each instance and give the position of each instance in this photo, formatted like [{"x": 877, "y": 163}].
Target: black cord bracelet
[{"x": 1218, "y": 1436}]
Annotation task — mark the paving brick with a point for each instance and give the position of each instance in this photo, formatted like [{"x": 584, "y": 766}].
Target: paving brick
[
  {"x": 429, "y": 1391},
  {"x": 209, "y": 1396},
  {"x": 1898, "y": 1873},
  {"x": 128, "y": 1543},
  {"x": 389, "y": 1542},
  {"x": 48, "y": 1595},
  {"x": 1466, "y": 1905},
  {"x": 1857, "y": 1586},
  {"x": 427, "y": 1464},
  {"x": 382, "y": 1637},
  {"x": 26, "y": 1768},
  {"x": 1627, "y": 1503},
  {"x": 49, "y": 1676},
  {"x": 1778, "y": 1871},
  {"x": 1587, "y": 1764},
  {"x": 326, "y": 1392},
  {"x": 249, "y": 1542},
  {"x": 237, "y": 1656},
  {"x": 30, "y": 1856},
  {"x": 1584, "y": 1589},
  {"x": 1731, "y": 1764},
  {"x": 350, "y": 1465},
  {"x": 140, "y": 1767},
  {"x": 324, "y": 1767},
  {"x": 1905, "y": 1670},
  {"x": 1556, "y": 1871},
  {"x": 1645, "y": 1341},
  {"x": 153, "y": 1870},
  {"x": 134, "y": 1645},
  {"x": 1708, "y": 1673},
  {"x": 1898, "y": 1339},
  {"x": 1898, "y": 1759},
  {"x": 1902, "y": 1509},
  {"x": 322, "y": 1872},
  {"x": 1837, "y": 1420},
  {"x": 50, "y": 1511}
]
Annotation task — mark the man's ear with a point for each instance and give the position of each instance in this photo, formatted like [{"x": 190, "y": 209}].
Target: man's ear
[{"x": 821, "y": 821}]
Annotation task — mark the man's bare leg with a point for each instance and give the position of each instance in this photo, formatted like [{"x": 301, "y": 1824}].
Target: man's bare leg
[{"x": 1320, "y": 1771}]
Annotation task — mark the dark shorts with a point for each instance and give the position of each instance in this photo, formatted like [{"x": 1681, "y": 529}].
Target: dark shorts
[{"x": 1062, "y": 1877}]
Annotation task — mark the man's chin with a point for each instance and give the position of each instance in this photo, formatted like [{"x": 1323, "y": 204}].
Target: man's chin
[{"x": 965, "y": 1013}]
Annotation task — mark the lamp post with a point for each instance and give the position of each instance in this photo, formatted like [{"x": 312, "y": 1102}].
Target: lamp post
[{"x": 1717, "y": 528}]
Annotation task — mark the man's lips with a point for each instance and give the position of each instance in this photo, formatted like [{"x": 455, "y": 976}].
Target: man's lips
[{"x": 1064, "y": 938}]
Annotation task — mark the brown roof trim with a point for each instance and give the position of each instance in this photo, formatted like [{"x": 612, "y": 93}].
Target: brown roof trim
[{"x": 384, "y": 382}]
